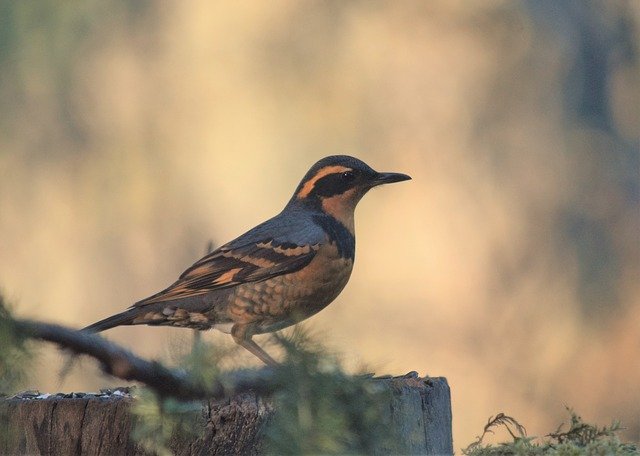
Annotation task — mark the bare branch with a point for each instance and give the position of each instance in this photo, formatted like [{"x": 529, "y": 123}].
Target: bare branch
[{"x": 121, "y": 363}]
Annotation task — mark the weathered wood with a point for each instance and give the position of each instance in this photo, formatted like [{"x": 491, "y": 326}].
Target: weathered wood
[{"x": 419, "y": 413}]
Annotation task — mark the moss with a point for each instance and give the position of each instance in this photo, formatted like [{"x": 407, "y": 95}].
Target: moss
[{"x": 579, "y": 439}]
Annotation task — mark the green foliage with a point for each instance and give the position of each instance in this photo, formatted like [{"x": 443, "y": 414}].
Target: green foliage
[
  {"x": 203, "y": 361},
  {"x": 318, "y": 407},
  {"x": 158, "y": 421},
  {"x": 14, "y": 358},
  {"x": 14, "y": 355},
  {"x": 580, "y": 439}
]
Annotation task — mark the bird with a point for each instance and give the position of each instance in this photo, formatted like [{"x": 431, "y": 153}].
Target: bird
[{"x": 275, "y": 275}]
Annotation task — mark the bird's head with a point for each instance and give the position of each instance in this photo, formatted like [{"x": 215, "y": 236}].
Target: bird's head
[{"x": 336, "y": 183}]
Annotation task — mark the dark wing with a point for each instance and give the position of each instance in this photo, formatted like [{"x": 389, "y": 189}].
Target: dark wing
[{"x": 233, "y": 264}]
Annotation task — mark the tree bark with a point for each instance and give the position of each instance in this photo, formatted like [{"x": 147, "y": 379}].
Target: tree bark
[{"x": 419, "y": 412}]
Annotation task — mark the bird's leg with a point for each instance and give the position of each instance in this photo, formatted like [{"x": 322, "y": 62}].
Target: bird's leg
[{"x": 242, "y": 337}]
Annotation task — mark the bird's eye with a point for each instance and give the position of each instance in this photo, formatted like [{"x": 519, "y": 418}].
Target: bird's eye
[{"x": 348, "y": 175}]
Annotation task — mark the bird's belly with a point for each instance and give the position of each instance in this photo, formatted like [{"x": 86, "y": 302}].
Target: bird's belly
[{"x": 284, "y": 300}]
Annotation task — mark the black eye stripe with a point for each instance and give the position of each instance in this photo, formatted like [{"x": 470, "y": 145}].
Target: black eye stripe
[{"x": 334, "y": 184}]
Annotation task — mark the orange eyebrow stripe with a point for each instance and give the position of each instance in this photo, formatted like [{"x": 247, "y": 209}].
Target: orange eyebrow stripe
[{"x": 308, "y": 185}]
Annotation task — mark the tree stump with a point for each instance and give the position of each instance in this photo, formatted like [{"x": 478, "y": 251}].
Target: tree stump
[{"x": 100, "y": 424}]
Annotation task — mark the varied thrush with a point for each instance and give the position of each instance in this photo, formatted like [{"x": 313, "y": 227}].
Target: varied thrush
[{"x": 276, "y": 274}]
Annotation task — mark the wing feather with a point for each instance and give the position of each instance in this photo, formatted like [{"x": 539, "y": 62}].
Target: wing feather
[{"x": 231, "y": 265}]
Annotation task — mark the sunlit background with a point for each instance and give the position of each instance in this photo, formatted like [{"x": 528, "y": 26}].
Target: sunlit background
[{"x": 132, "y": 133}]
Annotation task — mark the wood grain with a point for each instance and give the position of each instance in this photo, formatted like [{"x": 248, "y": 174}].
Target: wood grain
[{"x": 419, "y": 414}]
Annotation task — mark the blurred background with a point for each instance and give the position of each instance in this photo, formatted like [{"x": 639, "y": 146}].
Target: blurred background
[{"x": 133, "y": 132}]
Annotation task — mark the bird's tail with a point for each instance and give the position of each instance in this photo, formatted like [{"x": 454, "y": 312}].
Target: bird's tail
[{"x": 124, "y": 318}]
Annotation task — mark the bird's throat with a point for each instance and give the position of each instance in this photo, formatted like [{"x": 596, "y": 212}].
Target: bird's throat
[{"x": 342, "y": 208}]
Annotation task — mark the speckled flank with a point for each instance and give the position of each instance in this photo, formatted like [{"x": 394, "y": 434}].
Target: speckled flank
[
  {"x": 277, "y": 302},
  {"x": 292, "y": 297},
  {"x": 173, "y": 316}
]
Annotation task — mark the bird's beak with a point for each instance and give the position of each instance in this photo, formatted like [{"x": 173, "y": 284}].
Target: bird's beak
[{"x": 389, "y": 178}]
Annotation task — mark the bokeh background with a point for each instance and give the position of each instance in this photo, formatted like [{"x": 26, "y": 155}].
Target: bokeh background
[{"x": 133, "y": 132}]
